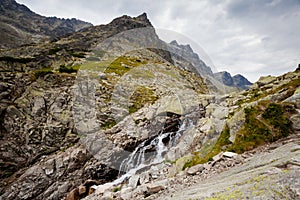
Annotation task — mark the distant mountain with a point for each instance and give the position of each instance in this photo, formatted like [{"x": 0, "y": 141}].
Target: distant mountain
[
  {"x": 20, "y": 26},
  {"x": 235, "y": 81},
  {"x": 184, "y": 57}
]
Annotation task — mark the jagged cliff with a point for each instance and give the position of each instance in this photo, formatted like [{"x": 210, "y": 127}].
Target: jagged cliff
[
  {"x": 20, "y": 26},
  {"x": 114, "y": 99},
  {"x": 238, "y": 80}
]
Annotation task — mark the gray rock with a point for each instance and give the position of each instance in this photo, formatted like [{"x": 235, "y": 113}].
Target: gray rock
[
  {"x": 229, "y": 154},
  {"x": 218, "y": 157},
  {"x": 157, "y": 186},
  {"x": 195, "y": 169},
  {"x": 134, "y": 181}
]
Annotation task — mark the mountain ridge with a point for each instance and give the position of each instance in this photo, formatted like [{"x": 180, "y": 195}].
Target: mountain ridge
[
  {"x": 237, "y": 80},
  {"x": 21, "y": 26}
]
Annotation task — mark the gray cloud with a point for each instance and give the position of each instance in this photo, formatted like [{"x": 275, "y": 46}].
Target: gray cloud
[{"x": 253, "y": 38}]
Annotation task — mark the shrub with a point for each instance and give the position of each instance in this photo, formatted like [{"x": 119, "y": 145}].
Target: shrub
[
  {"x": 64, "y": 69},
  {"x": 141, "y": 96},
  {"x": 274, "y": 114}
]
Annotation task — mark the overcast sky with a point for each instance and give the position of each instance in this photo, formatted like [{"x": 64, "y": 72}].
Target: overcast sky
[{"x": 250, "y": 37}]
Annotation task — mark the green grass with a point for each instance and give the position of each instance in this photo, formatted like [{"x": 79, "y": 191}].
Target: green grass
[
  {"x": 275, "y": 115},
  {"x": 41, "y": 73},
  {"x": 264, "y": 123},
  {"x": 116, "y": 189},
  {"x": 252, "y": 134},
  {"x": 141, "y": 96},
  {"x": 123, "y": 64},
  {"x": 108, "y": 124},
  {"x": 203, "y": 157}
]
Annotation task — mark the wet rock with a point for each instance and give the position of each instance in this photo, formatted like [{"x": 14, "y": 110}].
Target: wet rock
[
  {"x": 134, "y": 181},
  {"x": 126, "y": 193},
  {"x": 144, "y": 178}
]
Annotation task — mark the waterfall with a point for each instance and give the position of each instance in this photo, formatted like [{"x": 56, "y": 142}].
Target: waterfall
[{"x": 149, "y": 153}]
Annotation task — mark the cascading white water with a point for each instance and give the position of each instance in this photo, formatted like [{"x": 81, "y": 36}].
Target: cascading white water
[
  {"x": 142, "y": 157},
  {"x": 148, "y": 153}
]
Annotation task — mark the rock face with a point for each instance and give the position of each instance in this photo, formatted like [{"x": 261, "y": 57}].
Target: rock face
[
  {"x": 238, "y": 80},
  {"x": 45, "y": 149},
  {"x": 185, "y": 57},
  {"x": 20, "y": 26}
]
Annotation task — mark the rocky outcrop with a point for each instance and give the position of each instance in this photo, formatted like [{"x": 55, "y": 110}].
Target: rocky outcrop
[
  {"x": 20, "y": 26},
  {"x": 238, "y": 80},
  {"x": 185, "y": 57}
]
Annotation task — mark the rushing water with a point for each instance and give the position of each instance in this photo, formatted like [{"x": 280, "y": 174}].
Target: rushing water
[{"x": 149, "y": 153}]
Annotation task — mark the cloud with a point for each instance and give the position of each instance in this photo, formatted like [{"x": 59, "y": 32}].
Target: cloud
[{"x": 252, "y": 38}]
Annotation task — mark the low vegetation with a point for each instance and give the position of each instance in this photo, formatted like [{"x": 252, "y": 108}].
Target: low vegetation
[
  {"x": 264, "y": 123},
  {"x": 17, "y": 60},
  {"x": 69, "y": 69},
  {"x": 141, "y": 96},
  {"x": 123, "y": 64},
  {"x": 41, "y": 73},
  {"x": 203, "y": 157}
]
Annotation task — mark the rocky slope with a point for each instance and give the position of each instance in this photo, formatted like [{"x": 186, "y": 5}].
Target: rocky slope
[
  {"x": 73, "y": 112},
  {"x": 261, "y": 125},
  {"x": 45, "y": 114},
  {"x": 20, "y": 26}
]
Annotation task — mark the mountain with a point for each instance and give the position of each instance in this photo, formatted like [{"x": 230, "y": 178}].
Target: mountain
[
  {"x": 20, "y": 26},
  {"x": 238, "y": 80},
  {"x": 185, "y": 57},
  {"x": 111, "y": 111}
]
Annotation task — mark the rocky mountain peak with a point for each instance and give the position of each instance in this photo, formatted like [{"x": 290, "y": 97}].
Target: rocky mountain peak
[
  {"x": 184, "y": 56},
  {"x": 232, "y": 81},
  {"x": 143, "y": 18},
  {"x": 20, "y": 26},
  {"x": 136, "y": 22}
]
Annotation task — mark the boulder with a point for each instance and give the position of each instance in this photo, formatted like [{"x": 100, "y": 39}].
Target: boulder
[
  {"x": 100, "y": 189},
  {"x": 73, "y": 195},
  {"x": 229, "y": 154},
  {"x": 157, "y": 186},
  {"x": 195, "y": 169},
  {"x": 218, "y": 157},
  {"x": 296, "y": 122},
  {"x": 134, "y": 181},
  {"x": 81, "y": 189},
  {"x": 126, "y": 193}
]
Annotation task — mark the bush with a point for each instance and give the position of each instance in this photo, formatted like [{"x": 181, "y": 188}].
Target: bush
[
  {"x": 18, "y": 60},
  {"x": 64, "y": 69},
  {"x": 274, "y": 114}
]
